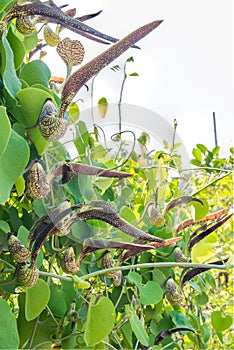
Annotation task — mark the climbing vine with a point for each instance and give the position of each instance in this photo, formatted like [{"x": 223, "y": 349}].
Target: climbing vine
[{"x": 129, "y": 251}]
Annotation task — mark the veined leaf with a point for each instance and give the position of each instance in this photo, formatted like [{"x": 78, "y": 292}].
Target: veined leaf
[
  {"x": 37, "y": 298},
  {"x": 12, "y": 164},
  {"x": 8, "y": 328},
  {"x": 100, "y": 321},
  {"x": 9, "y": 77},
  {"x": 5, "y": 130}
]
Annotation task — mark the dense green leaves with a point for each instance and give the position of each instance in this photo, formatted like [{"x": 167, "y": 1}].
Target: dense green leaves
[
  {"x": 101, "y": 311},
  {"x": 8, "y": 328}
]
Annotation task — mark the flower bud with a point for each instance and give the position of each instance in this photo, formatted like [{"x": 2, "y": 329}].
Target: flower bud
[
  {"x": 172, "y": 294},
  {"x": 24, "y": 25},
  {"x": 117, "y": 279},
  {"x": 108, "y": 262},
  {"x": 71, "y": 51},
  {"x": 179, "y": 256},
  {"x": 155, "y": 216},
  {"x": 51, "y": 38},
  {"x": 19, "y": 252},
  {"x": 68, "y": 261},
  {"x": 36, "y": 185},
  {"x": 27, "y": 275}
]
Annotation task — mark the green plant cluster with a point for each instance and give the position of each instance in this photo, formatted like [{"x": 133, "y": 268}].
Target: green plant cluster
[{"x": 123, "y": 293}]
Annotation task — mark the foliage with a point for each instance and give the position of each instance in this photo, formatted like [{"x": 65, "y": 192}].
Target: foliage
[{"x": 131, "y": 253}]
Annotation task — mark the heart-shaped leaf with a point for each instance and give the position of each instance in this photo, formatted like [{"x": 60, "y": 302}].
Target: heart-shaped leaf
[
  {"x": 8, "y": 328},
  {"x": 151, "y": 293},
  {"x": 37, "y": 298},
  {"x": 219, "y": 322},
  {"x": 100, "y": 321},
  {"x": 36, "y": 72}
]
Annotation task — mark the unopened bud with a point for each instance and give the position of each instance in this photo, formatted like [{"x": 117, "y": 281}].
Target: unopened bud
[
  {"x": 24, "y": 25},
  {"x": 71, "y": 51},
  {"x": 155, "y": 216},
  {"x": 172, "y": 294},
  {"x": 19, "y": 252},
  {"x": 51, "y": 38},
  {"x": 179, "y": 256},
  {"x": 68, "y": 261},
  {"x": 36, "y": 185},
  {"x": 27, "y": 275}
]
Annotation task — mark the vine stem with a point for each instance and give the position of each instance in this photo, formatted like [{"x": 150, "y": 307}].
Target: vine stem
[
  {"x": 209, "y": 184},
  {"x": 139, "y": 266}
]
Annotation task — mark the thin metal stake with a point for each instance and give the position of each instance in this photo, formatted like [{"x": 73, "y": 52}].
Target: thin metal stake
[{"x": 215, "y": 130}]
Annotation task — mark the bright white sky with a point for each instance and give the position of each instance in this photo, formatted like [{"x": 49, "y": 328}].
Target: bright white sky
[{"x": 186, "y": 65}]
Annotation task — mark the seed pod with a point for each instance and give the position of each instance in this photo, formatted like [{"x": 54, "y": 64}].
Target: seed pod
[
  {"x": 172, "y": 294},
  {"x": 27, "y": 275},
  {"x": 68, "y": 261},
  {"x": 37, "y": 185},
  {"x": 24, "y": 25},
  {"x": 155, "y": 216},
  {"x": 179, "y": 256},
  {"x": 117, "y": 279},
  {"x": 51, "y": 38},
  {"x": 71, "y": 51},
  {"x": 51, "y": 127},
  {"x": 19, "y": 252}
]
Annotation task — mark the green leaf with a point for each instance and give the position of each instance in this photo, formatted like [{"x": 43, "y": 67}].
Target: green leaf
[
  {"x": 36, "y": 72},
  {"x": 32, "y": 101},
  {"x": 202, "y": 298},
  {"x": 56, "y": 293},
  {"x": 137, "y": 327},
  {"x": 30, "y": 42},
  {"x": 17, "y": 47},
  {"x": 74, "y": 111},
  {"x": 202, "y": 148},
  {"x": 5, "y": 130},
  {"x": 134, "y": 278},
  {"x": 202, "y": 252},
  {"x": 180, "y": 320},
  {"x": 197, "y": 154},
  {"x": 20, "y": 186},
  {"x": 8, "y": 328},
  {"x": 135, "y": 74},
  {"x": 4, "y": 226},
  {"x": 219, "y": 322},
  {"x": 100, "y": 321},
  {"x": 200, "y": 210},
  {"x": 5, "y": 3},
  {"x": 12, "y": 164},
  {"x": 103, "y": 183},
  {"x": 10, "y": 80},
  {"x": 37, "y": 298},
  {"x": 102, "y": 106},
  {"x": 151, "y": 293}
]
